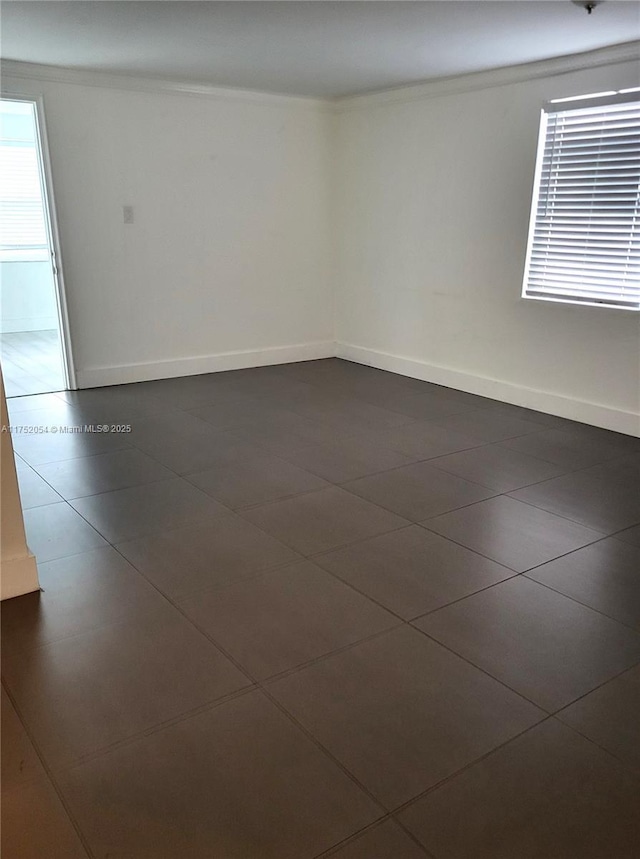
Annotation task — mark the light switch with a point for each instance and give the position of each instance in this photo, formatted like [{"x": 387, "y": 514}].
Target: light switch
[{"x": 127, "y": 213}]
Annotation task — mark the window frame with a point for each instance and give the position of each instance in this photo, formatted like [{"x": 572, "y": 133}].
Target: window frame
[{"x": 557, "y": 105}]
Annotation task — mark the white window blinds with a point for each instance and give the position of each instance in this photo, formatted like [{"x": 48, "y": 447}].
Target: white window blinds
[
  {"x": 584, "y": 238},
  {"x": 23, "y": 231}
]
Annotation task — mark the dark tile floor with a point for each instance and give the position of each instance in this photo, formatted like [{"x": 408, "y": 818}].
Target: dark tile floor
[{"x": 321, "y": 610}]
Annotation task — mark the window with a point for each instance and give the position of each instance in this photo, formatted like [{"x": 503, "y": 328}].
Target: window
[
  {"x": 584, "y": 235},
  {"x": 23, "y": 231}
]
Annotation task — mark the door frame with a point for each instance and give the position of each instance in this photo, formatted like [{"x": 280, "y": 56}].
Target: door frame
[{"x": 53, "y": 235}]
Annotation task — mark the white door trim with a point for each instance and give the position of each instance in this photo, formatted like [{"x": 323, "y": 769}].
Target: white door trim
[{"x": 52, "y": 231}]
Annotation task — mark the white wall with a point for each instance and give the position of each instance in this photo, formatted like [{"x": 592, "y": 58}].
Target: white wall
[
  {"x": 229, "y": 249},
  {"x": 27, "y": 297},
  {"x": 435, "y": 192}
]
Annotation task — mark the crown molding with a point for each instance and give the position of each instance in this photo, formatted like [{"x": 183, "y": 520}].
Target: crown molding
[
  {"x": 89, "y": 77},
  {"x": 612, "y": 55}
]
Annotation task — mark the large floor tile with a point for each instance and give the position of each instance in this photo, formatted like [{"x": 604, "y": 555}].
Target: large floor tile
[
  {"x": 91, "y": 475},
  {"x": 54, "y": 437},
  {"x": 514, "y": 534},
  {"x": 149, "y": 509},
  {"x": 115, "y": 404},
  {"x": 218, "y": 553},
  {"x": 546, "y": 646},
  {"x": 605, "y": 505},
  {"x": 239, "y": 781},
  {"x": 421, "y": 406},
  {"x": 237, "y": 410},
  {"x": 549, "y": 793},
  {"x": 567, "y": 448},
  {"x": 418, "y": 491},
  {"x": 343, "y": 459},
  {"x": 498, "y": 467},
  {"x": 323, "y": 520},
  {"x": 255, "y": 480},
  {"x": 488, "y": 424},
  {"x": 34, "y": 491},
  {"x": 20, "y": 761},
  {"x": 82, "y": 694},
  {"x": 385, "y": 841},
  {"x": 610, "y": 716},
  {"x": 35, "y": 824},
  {"x": 79, "y": 593},
  {"x": 630, "y": 535},
  {"x": 401, "y": 712},
  {"x": 413, "y": 571},
  {"x": 423, "y": 440},
  {"x": 183, "y": 442},
  {"x": 605, "y": 576},
  {"x": 284, "y": 618},
  {"x": 56, "y": 530}
]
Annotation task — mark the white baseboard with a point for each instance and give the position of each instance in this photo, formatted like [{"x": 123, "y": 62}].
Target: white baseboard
[
  {"x": 18, "y": 576},
  {"x": 95, "y": 377},
  {"x": 554, "y": 404}
]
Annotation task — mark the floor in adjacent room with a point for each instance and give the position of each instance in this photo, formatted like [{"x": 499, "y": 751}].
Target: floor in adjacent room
[
  {"x": 322, "y": 610},
  {"x": 31, "y": 362}
]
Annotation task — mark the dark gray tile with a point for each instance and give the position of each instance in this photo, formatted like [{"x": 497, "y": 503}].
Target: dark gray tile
[
  {"x": 115, "y": 404},
  {"x": 498, "y": 467},
  {"x": 91, "y": 475},
  {"x": 424, "y": 406},
  {"x": 385, "y": 841},
  {"x": 34, "y": 491},
  {"x": 542, "y": 644},
  {"x": 418, "y": 491},
  {"x": 20, "y": 761},
  {"x": 35, "y": 824},
  {"x": 322, "y": 520},
  {"x": 401, "y": 712},
  {"x": 284, "y": 618},
  {"x": 629, "y": 535},
  {"x": 79, "y": 593},
  {"x": 610, "y": 716},
  {"x": 80, "y": 695},
  {"x": 488, "y": 424},
  {"x": 238, "y": 781},
  {"x": 350, "y": 415},
  {"x": 514, "y": 534},
  {"x": 567, "y": 448},
  {"x": 185, "y": 443},
  {"x": 412, "y": 571},
  {"x": 218, "y": 553},
  {"x": 595, "y": 498},
  {"x": 237, "y": 410},
  {"x": 344, "y": 459},
  {"x": 55, "y": 437},
  {"x": 547, "y": 793},
  {"x": 149, "y": 509},
  {"x": 56, "y": 530},
  {"x": 423, "y": 440},
  {"x": 605, "y": 576},
  {"x": 255, "y": 480}
]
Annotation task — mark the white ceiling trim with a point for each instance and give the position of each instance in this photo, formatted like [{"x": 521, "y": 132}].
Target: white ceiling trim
[
  {"x": 626, "y": 52},
  {"x": 612, "y": 55},
  {"x": 86, "y": 77}
]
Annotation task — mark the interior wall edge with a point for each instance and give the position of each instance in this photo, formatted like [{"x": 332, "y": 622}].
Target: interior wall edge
[
  {"x": 95, "y": 377},
  {"x": 497, "y": 389}
]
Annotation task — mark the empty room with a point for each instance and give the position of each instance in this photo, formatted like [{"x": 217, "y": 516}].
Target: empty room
[{"x": 320, "y": 354}]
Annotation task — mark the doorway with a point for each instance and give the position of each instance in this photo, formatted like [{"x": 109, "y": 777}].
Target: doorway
[{"x": 34, "y": 346}]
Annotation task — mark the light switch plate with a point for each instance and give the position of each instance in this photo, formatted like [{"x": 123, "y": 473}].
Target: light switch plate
[{"x": 127, "y": 214}]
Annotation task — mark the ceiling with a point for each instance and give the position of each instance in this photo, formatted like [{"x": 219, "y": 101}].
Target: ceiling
[{"x": 327, "y": 49}]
